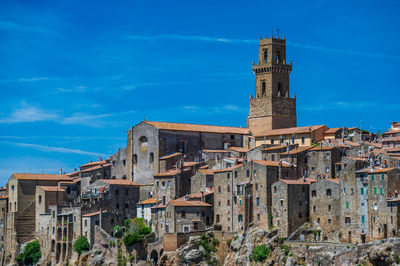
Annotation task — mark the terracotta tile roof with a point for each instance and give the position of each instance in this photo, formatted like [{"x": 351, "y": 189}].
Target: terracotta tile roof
[
  {"x": 271, "y": 163},
  {"x": 171, "y": 155},
  {"x": 119, "y": 182},
  {"x": 199, "y": 128},
  {"x": 198, "y": 195},
  {"x": 92, "y": 214},
  {"x": 149, "y": 201},
  {"x": 3, "y": 196},
  {"x": 376, "y": 170},
  {"x": 190, "y": 164},
  {"x": 238, "y": 149},
  {"x": 355, "y": 158},
  {"x": 323, "y": 148},
  {"x": 95, "y": 163},
  {"x": 291, "y": 130},
  {"x": 352, "y": 143},
  {"x": 391, "y": 149},
  {"x": 169, "y": 173},
  {"x": 297, "y": 151},
  {"x": 207, "y": 171},
  {"x": 307, "y": 181},
  {"x": 77, "y": 180},
  {"x": 215, "y": 151},
  {"x": 332, "y": 130},
  {"x": 95, "y": 167},
  {"x": 278, "y": 147},
  {"x": 160, "y": 206},
  {"x": 48, "y": 177},
  {"x": 376, "y": 145},
  {"x": 392, "y": 131},
  {"x": 189, "y": 203},
  {"x": 227, "y": 169},
  {"x": 336, "y": 180},
  {"x": 51, "y": 188}
]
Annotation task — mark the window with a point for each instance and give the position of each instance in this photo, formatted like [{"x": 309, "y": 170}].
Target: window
[
  {"x": 12, "y": 188},
  {"x": 381, "y": 191},
  {"x": 362, "y": 191},
  {"x": 313, "y": 193},
  {"x": 263, "y": 89},
  {"x": 117, "y": 192},
  {"x": 374, "y": 190},
  {"x": 303, "y": 140},
  {"x": 186, "y": 229},
  {"x": 258, "y": 201},
  {"x": 126, "y": 192},
  {"x": 85, "y": 222},
  {"x": 117, "y": 205},
  {"x": 151, "y": 157},
  {"x": 383, "y": 177},
  {"x": 328, "y": 155},
  {"x": 124, "y": 162},
  {"x": 236, "y": 174},
  {"x": 300, "y": 203},
  {"x": 274, "y": 189},
  {"x": 372, "y": 177},
  {"x": 329, "y": 208},
  {"x": 329, "y": 220},
  {"x": 228, "y": 175},
  {"x": 272, "y": 141},
  {"x": 347, "y": 220},
  {"x": 182, "y": 146},
  {"x": 328, "y": 169},
  {"x": 228, "y": 188},
  {"x": 278, "y": 57},
  {"x": 240, "y": 202},
  {"x": 256, "y": 187},
  {"x": 240, "y": 218},
  {"x": 273, "y": 157},
  {"x": 219, "y": 188},
  {"x": 255, "y": 173},
  {"x": 266, "y": 56},
  {"x": 258, "y": 217},
  {"x": 352, "y": 191},
  {"x": 134, "y": 159},
  {"x": 248, "y": 173},
  {"x": 126, "y": 206},
  {"x": 319, "y": 220},
  {"x": 169, "y": 183},
  {"x": 347, "y": 204},
  {"x": 183, "y": 214},
  {"x": 113, "y": 163},
  {"x": 158, "y": 183},
  {"x": 163, "y": 183},
  {"x": 281, "y": 202},
  {"x": 300, "y": 215},
  {"x": 40, "y": 199},
  {"x": 232, "y": 137},
  {"x": 228, "y": 202},
  {"x": 314, "y": 208},
  {"x": 362, "y": 219},
  {"x": 329, "y": 192},
  {"x": 217, "y": 219}
]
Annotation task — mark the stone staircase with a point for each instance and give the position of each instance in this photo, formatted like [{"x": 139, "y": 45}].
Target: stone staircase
[{"x": 25, "y": 223}]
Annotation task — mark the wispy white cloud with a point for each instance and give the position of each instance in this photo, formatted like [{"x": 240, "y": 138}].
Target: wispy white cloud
[
  {"x": 28, "y": 113},
  {"x": 52, "y": 149},
  {"x": 12, "y": 26},
  {"x": 178, "y": 37}
]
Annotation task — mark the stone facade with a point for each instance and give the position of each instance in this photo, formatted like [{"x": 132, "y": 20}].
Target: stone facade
[
  {"x": 325, "y": 208},
  {"x": 322, "y": 160},
  {"x": 290, "y": 205},
  {"x": 118, "y": 164}
]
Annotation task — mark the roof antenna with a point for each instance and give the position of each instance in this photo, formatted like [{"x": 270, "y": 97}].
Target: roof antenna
[{"x": 278, "y": 30}]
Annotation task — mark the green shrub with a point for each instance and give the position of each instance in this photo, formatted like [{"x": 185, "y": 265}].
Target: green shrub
[
  {"x": 260, "y": 253},
  {"x": 228, "y": 242},
  {"x": 285, "y": 249},
  {"x": 319, "y": 262},
  {"x": 215, "y": 242},
  {"x": 117, "y": 231},
  {"x": 111, "y": 243},
  {"x": 138, "y": 226},
  {"x": 20, "y": 259},
  {"x": 81, "y": 245},
  {"x": 131, "y": 258},
  {"x": 32, "y": 253},
  {"x": 131, "y": 238},
  {"x": 396, "y": 258},
  {"x": 307, "y": 246},
  {"x": 284, "y": 260}
]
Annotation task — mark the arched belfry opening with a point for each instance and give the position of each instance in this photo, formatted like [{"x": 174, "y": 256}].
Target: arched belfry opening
[
  {"x": 280, "y": 89},
  {"x": 263, "y": 89},
  {"x": 278, "y": 57}
]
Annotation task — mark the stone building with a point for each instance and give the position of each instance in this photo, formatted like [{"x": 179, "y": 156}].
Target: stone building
[
  {"x": 298, "y": 159},
  {"x": 271, "y": 108},
  {"x": 3, "y": 217},
  {"x": 118, "y": 164},
  {"x": 144, "y": 208},
  {"x": 322, "y": 160},
  {"x": 353, "y": 200},
  {"x": 149, "y": 141},
  {"x": 303, "y": 136},
  {"x": 202, "y": 180},
  {"x": 181, "y": 216},
  {"x": 46, "y": 196},
  {"x": 325, "y": 208},
  {"x": 290, "y": 204},
  {"x": 22, "y": 206},
  {"x": 106, "y": 220},
  {"x": 93, "y": 171},
  {"x": 115, "y": 196}
]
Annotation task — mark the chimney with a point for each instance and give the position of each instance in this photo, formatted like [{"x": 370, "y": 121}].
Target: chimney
[
  {"x": 60, "y": 171},
  {"x": 90, "y": 160}
]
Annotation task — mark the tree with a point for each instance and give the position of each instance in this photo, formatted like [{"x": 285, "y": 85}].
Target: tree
[
  {"x": 81, "y": 245},
  {"x": 260, "y": 253},
  {"x": 31, "y": 254},
  {"x": 131, "y": 238},
  {"x": 117, "y": 232}
]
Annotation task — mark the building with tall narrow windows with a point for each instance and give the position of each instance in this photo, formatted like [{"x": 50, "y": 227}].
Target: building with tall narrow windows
[{"x": 271, "y": 107}]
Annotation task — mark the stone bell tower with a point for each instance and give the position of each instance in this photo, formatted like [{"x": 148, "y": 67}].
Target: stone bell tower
[{"x": 271, "y": 107}]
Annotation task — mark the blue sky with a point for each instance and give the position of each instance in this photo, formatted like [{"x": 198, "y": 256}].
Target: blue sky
[{"x": 75, "y": 75}]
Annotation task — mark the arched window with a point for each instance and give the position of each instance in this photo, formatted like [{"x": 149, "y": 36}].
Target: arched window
[
  {"x": 266, "y": 56},
  {"x": 278, "y": 57},
  {"x": 280, "y": 89},
  {"x": 263, "y": 89},
  {"x": 143, "y": 144}
]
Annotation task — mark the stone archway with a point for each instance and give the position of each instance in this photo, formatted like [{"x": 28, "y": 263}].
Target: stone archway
[
  {"x": 64, "y": 251},
  {"x": 154, "y": 256},
  {"x": 58, "y": 251}
]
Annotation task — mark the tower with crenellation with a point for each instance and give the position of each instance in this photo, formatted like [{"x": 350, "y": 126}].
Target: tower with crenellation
[{"x": 271, "y": 107}]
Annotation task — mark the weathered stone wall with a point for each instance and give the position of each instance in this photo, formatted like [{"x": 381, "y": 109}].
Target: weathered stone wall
[{"x": 118, "y": 164}]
